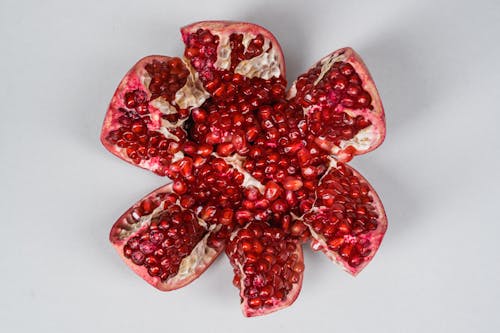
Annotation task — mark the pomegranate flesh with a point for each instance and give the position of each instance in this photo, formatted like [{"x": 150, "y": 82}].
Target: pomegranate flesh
[
  {"x": 348, "y": 220},
  {"x": 256, "y": 169},
  {"x": 341, "y": 105},
  {"x": 268, "y": 267}
]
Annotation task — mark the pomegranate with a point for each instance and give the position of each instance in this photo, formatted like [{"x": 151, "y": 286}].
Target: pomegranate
[
  {"x": 163, "y": 242},
  {"x": 256, "y": 169}
]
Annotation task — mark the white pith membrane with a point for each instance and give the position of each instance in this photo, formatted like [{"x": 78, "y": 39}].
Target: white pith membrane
[
  {"x": 193, "y": 94},
  {"x": 265, "y": 66},
  {"x": 200, "y": 257},
  {"x": 318, "y": 242},
  {"x": 223, "y": 61}
]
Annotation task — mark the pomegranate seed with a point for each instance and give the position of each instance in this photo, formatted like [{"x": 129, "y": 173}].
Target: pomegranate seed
[
  {"x": 292, "y": 184},
  {"x": 225, "y": 149},
  {"x": 272, "y": 191},
  {"x": 255, "y": 302},
  {"x": 179, "y": 187}
]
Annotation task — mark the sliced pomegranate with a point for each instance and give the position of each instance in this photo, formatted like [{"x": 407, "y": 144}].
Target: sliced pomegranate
[
  {"x": 144, "y": 122},
  {"x": 268, "y": 268},
  {"x": 341, "y": 104},
  {"x": 256, "y": 170},
  {"x": 348, "y": 220},
  {"x": 163, "y": 242}
]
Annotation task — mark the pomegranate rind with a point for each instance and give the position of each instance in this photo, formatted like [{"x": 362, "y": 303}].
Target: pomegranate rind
[
  {"x": 192, "y": 266},
  {"x": 375, "y": 236},
  {"x": 226, "y": 28},
  {"x": 368, "y": 138}
]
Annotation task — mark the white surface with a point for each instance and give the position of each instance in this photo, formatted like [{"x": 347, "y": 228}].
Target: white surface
[{"x": 436, "y": 65}]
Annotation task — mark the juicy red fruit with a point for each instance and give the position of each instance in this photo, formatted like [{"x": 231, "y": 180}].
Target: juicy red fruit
[
  {"x": 347, "y": 224},
  {"x": 268, "y": 268},
  {"x": 256, "y": 169}
]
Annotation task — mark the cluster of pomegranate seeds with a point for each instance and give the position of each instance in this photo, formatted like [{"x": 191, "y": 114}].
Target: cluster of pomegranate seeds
[
  {"x": 166, "y": 78},
  {"x": 161, "y": 245},
  {"x": 137, "y": 100},
  {"x": 213, "y": 188},
  {"x": 239, "y": 52},
  {"x": 346, "y": 214},
  {"x": 201, "y": 49},
  {"x": 251, "y": 164},
  {"x": 227, "y": 119},
  {"x": 145, "y": 207},
  {"x": 273, "y": 154},
  {"x": 140, "y": 143},
  {"x": 267, "y": 264},
  {"x": 210, "y": 187},
  {"x": 342, "y": 87}
]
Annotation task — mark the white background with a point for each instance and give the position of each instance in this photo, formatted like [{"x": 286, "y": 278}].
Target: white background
[{"x": 436, "y": 64}]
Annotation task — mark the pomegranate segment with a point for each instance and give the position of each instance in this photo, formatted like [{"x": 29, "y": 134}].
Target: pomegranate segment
[
  {"x": 163, "y": 242},
  {"x": 144, "y": 122},
  {"x": 348, "y": 221},
  {"x": 268, "y": 268},
  {"x": 341, "y": 104}
]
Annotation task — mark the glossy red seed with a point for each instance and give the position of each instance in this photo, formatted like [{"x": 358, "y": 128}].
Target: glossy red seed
[
  {"x": 272, "y": 191},
  {"x": 255, "y": 302},
  {"x": 179, "y": 187}
]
